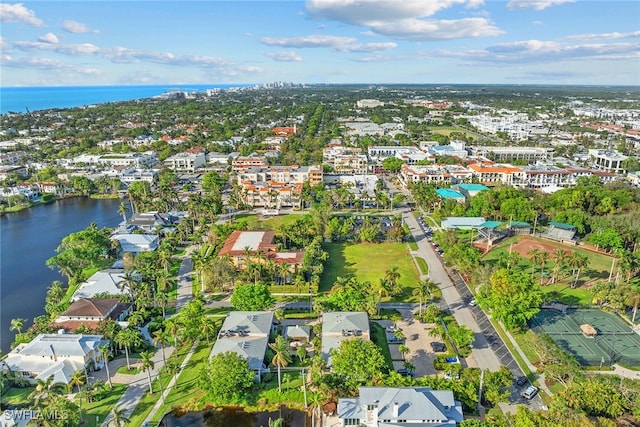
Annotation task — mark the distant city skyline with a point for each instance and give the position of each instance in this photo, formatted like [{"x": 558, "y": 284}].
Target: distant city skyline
[{"x": 557, "y": 42}]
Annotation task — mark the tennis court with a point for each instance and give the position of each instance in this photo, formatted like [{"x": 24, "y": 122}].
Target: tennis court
[{"x": 615, "y": 341}]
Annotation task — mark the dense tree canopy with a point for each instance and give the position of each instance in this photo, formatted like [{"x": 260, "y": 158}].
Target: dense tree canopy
[
  {"x": 225, "y": 378},
  {"x": 513, "y": 296},
  {"x": 359, "y": 361},
  {"x": 252, "y": 297}
]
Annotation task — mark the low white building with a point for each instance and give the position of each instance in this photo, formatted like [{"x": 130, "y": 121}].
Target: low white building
[
  {"x": 136, "y": 243},
  {"x": 400, "y": 407},
  {"x": 57, "y": 355},
  {"x": 107, "y": 281}
]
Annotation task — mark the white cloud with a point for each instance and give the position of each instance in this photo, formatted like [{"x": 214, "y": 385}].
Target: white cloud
[
  {"x": 537, "y": 51},
  {"x": 314, "y": 40},
  {"x": 48, "y": 38},
  {"x": 417, "y": 29},
  {"x": 3, "y": 44},
  {"x": 406, "y": 19},
  {"x": 285, "y": 56},
  {"x": 68, "y": 49},
  {"x": 606, "y": 36},
  {"x": 535, "y": 4},
  {"x": 17, "y": 13},
  {"x": 76, "y": 27},
  {"x": 368, "y": 47},
  {"x": 365, "y": 12}
]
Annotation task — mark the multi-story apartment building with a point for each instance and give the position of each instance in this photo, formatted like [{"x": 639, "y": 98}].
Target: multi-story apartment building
[
  {"x": 442, "y": 175},
  {"x": 489, "y": 173},
  {"x": 505, "y": 154},
  {"x": 12, "y": 158},
  {"x": 409, "y": 154},
  {"x": 345, "y": 160},
  {"x": 277, "y": 186},
  {"x": 188, "y": 161},
  {"x": 137, "y": 160},
  {"x": 242, "y": 163},
  {"x": 608, "y": 160}
]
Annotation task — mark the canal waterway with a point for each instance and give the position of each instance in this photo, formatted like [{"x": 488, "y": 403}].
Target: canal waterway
[
  {"x": 236, "y": 417},
  {"x": 28, "y": 238}
]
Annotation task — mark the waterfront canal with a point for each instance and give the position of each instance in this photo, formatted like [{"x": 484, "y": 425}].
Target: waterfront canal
[{"x": 28, "y": 238}]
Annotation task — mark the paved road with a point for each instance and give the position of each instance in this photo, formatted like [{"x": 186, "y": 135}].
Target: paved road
[
  {"x": 489, "y": 351},
  {"x": 185, "y": 290},
  {"x": 138, "y": 384}
]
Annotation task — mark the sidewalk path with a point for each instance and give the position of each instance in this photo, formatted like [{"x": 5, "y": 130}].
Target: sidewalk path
[
  {"x": 173, "y": 381},
  {"x": 139, "y": 383}
]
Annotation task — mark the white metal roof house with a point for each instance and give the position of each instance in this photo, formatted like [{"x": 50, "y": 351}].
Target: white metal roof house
[
  {"x": 246, "y": 333},
  {"x": 102, "y": 282},
  {"x": 342, "y": 325},
  {"x": 57, "y": 355},
  {"x": 137, "y": 242},
  {"x": 400, "y": 407}
]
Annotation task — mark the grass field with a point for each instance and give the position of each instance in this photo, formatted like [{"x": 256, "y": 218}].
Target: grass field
[
  {"x": 368, "y": 262},
  {"x": 598, "y": 265}
]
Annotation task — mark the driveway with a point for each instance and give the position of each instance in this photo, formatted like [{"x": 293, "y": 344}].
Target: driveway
[{"x": 418, "y": 342}]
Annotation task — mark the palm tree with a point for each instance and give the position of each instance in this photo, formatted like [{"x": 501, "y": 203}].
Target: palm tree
[
  {"x": 104, "y": 353},
  {"x": 118, "y": 417},
  {"x": 423, "y": 289},
  {"x": 559, "y": 256},
  {"x": 77, "y": 380},
  {"x": 392, "y": 275},
  {"x": 255, "y": 269},
  {"x": 577, "y": 262},
  {"x": 207, "y": 327},
  {"x": 42, "y": 390},
  {"x": 123, "y": 209},
  {"x": 161, "y": 300},
  {"x": 403, "y": 349},
  {"x": 130, "y": 282},
  {"x": 384, "y": 289},
  {"x": 147, "y": 364},
  {"x": 282, "y": 358},
  {"x": 160, "y": 338},
  {"x": 172, "y": 326},
  {"x": 534, "y": 256},
  {"x": 164, "y": 259},
  {"x": 17, "y": 325},
  {"x": 128, "y": 338},
  {"x": 544, "y": 257}
]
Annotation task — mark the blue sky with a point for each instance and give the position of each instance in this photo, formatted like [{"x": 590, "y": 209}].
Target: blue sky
[{"x": 63, "y": 43}]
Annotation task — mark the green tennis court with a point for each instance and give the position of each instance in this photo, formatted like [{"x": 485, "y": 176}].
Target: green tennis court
[{"x": 614, "y": 342}]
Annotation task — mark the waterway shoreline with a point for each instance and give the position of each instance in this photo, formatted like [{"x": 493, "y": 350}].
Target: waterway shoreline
[{"x": 29, "y": 238}]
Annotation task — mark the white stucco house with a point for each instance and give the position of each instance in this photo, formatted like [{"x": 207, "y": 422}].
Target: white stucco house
[{"x": 57, "y": 355}]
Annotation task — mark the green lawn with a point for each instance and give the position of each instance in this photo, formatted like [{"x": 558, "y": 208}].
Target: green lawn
[
  {"x": 368, "y": 262},
  {"x": 255, "y": 222},
  {"x": 379, "y": 337},
  {"x": 598, "y": 265},
  {"x": 184, "y": 390},
  {"x": 566, "y": 295},
  {"x": 100, "y": 410},
  {"x": 424, "y": 267},
  {"x": 17, "y": 396}
]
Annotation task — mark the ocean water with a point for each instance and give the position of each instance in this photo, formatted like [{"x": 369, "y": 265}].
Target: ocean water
[{"x": 24, "y": 99}]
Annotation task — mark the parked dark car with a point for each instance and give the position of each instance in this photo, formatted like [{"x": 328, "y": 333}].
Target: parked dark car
[
  {"x": 438, "y": 347},
  {"x": 520, "y": 381},
  {"x": 405, "y": 372}
]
